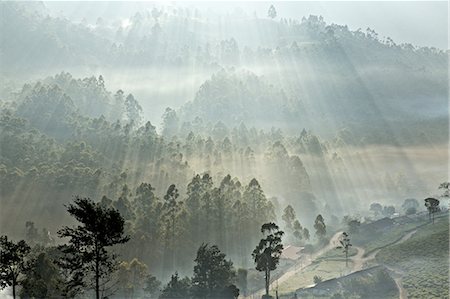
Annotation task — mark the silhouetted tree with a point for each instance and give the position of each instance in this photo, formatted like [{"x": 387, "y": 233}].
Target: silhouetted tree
[
  {"x": 12, "y": 262},
  {"x": 317, "y": 279},
  {"x": 267, "y": 254},
  {"x": 85, "y": 257},
  {"x": 345, "y": 245},
  {"x": 432, "y": 204}
]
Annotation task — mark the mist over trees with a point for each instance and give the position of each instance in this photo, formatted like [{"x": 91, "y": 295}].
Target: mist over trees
[{"x": 146, "y": 155}]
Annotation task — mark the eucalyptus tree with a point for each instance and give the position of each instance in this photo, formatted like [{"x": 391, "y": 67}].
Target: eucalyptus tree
[
  {"x": 432, "y": 205},
  {"x": 267, "y": 253},
  {"x": 86, "y": 257},
  {"x": 171, "y": 211},
  {"x": 345, "y": 245}
]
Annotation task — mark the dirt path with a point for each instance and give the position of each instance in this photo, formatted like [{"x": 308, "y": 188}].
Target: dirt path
[{"x": 300, "y": 264}]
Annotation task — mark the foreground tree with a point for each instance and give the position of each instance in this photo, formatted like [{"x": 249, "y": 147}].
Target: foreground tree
[
  {"x": 345, "y": 246},
  {"x": 432, "y": 205},
  {"x": 267, "y": 254},
  {"x": 12, "y": 262},
  {"x": 213, "y": 274},
  {"x": 85, "y": 257}
]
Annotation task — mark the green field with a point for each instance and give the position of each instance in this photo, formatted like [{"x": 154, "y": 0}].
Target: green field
[{"x": 424, "y": 260}]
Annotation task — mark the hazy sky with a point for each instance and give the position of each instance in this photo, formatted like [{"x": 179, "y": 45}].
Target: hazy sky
[{"x": 423, "y": 23}]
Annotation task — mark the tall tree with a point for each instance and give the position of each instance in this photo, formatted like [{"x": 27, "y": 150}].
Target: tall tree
[
  {"x": 432, "y": 205},
  {"x": 260, "y": 209},
  {"x": 345, "y": 245},
  {"x": 86, "y": 257},
  {"x": 12, "y": 262},
  {"x": 213, "y": 274},
  {"x": 267, "y": 254},
  {"x": 171, "y": 210}
]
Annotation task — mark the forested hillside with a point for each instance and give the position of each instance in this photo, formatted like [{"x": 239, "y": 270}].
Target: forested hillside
[{"x": 208, "y": 128}]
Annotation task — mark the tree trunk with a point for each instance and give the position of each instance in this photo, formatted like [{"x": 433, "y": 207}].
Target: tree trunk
[
  {"x": 173, "y": 244},
  {"x": 267, "y": 281},
  {"x": 14, "y": 288},
  {"x": 97, "y": 278},
  {"x": 346, "y": 258}
]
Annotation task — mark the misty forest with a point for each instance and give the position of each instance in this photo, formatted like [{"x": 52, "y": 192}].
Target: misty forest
[{"x": 219, "y": 150}]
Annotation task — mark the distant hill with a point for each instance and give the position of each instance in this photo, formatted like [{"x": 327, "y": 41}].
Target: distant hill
[{"x": 288, "y": 74}]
